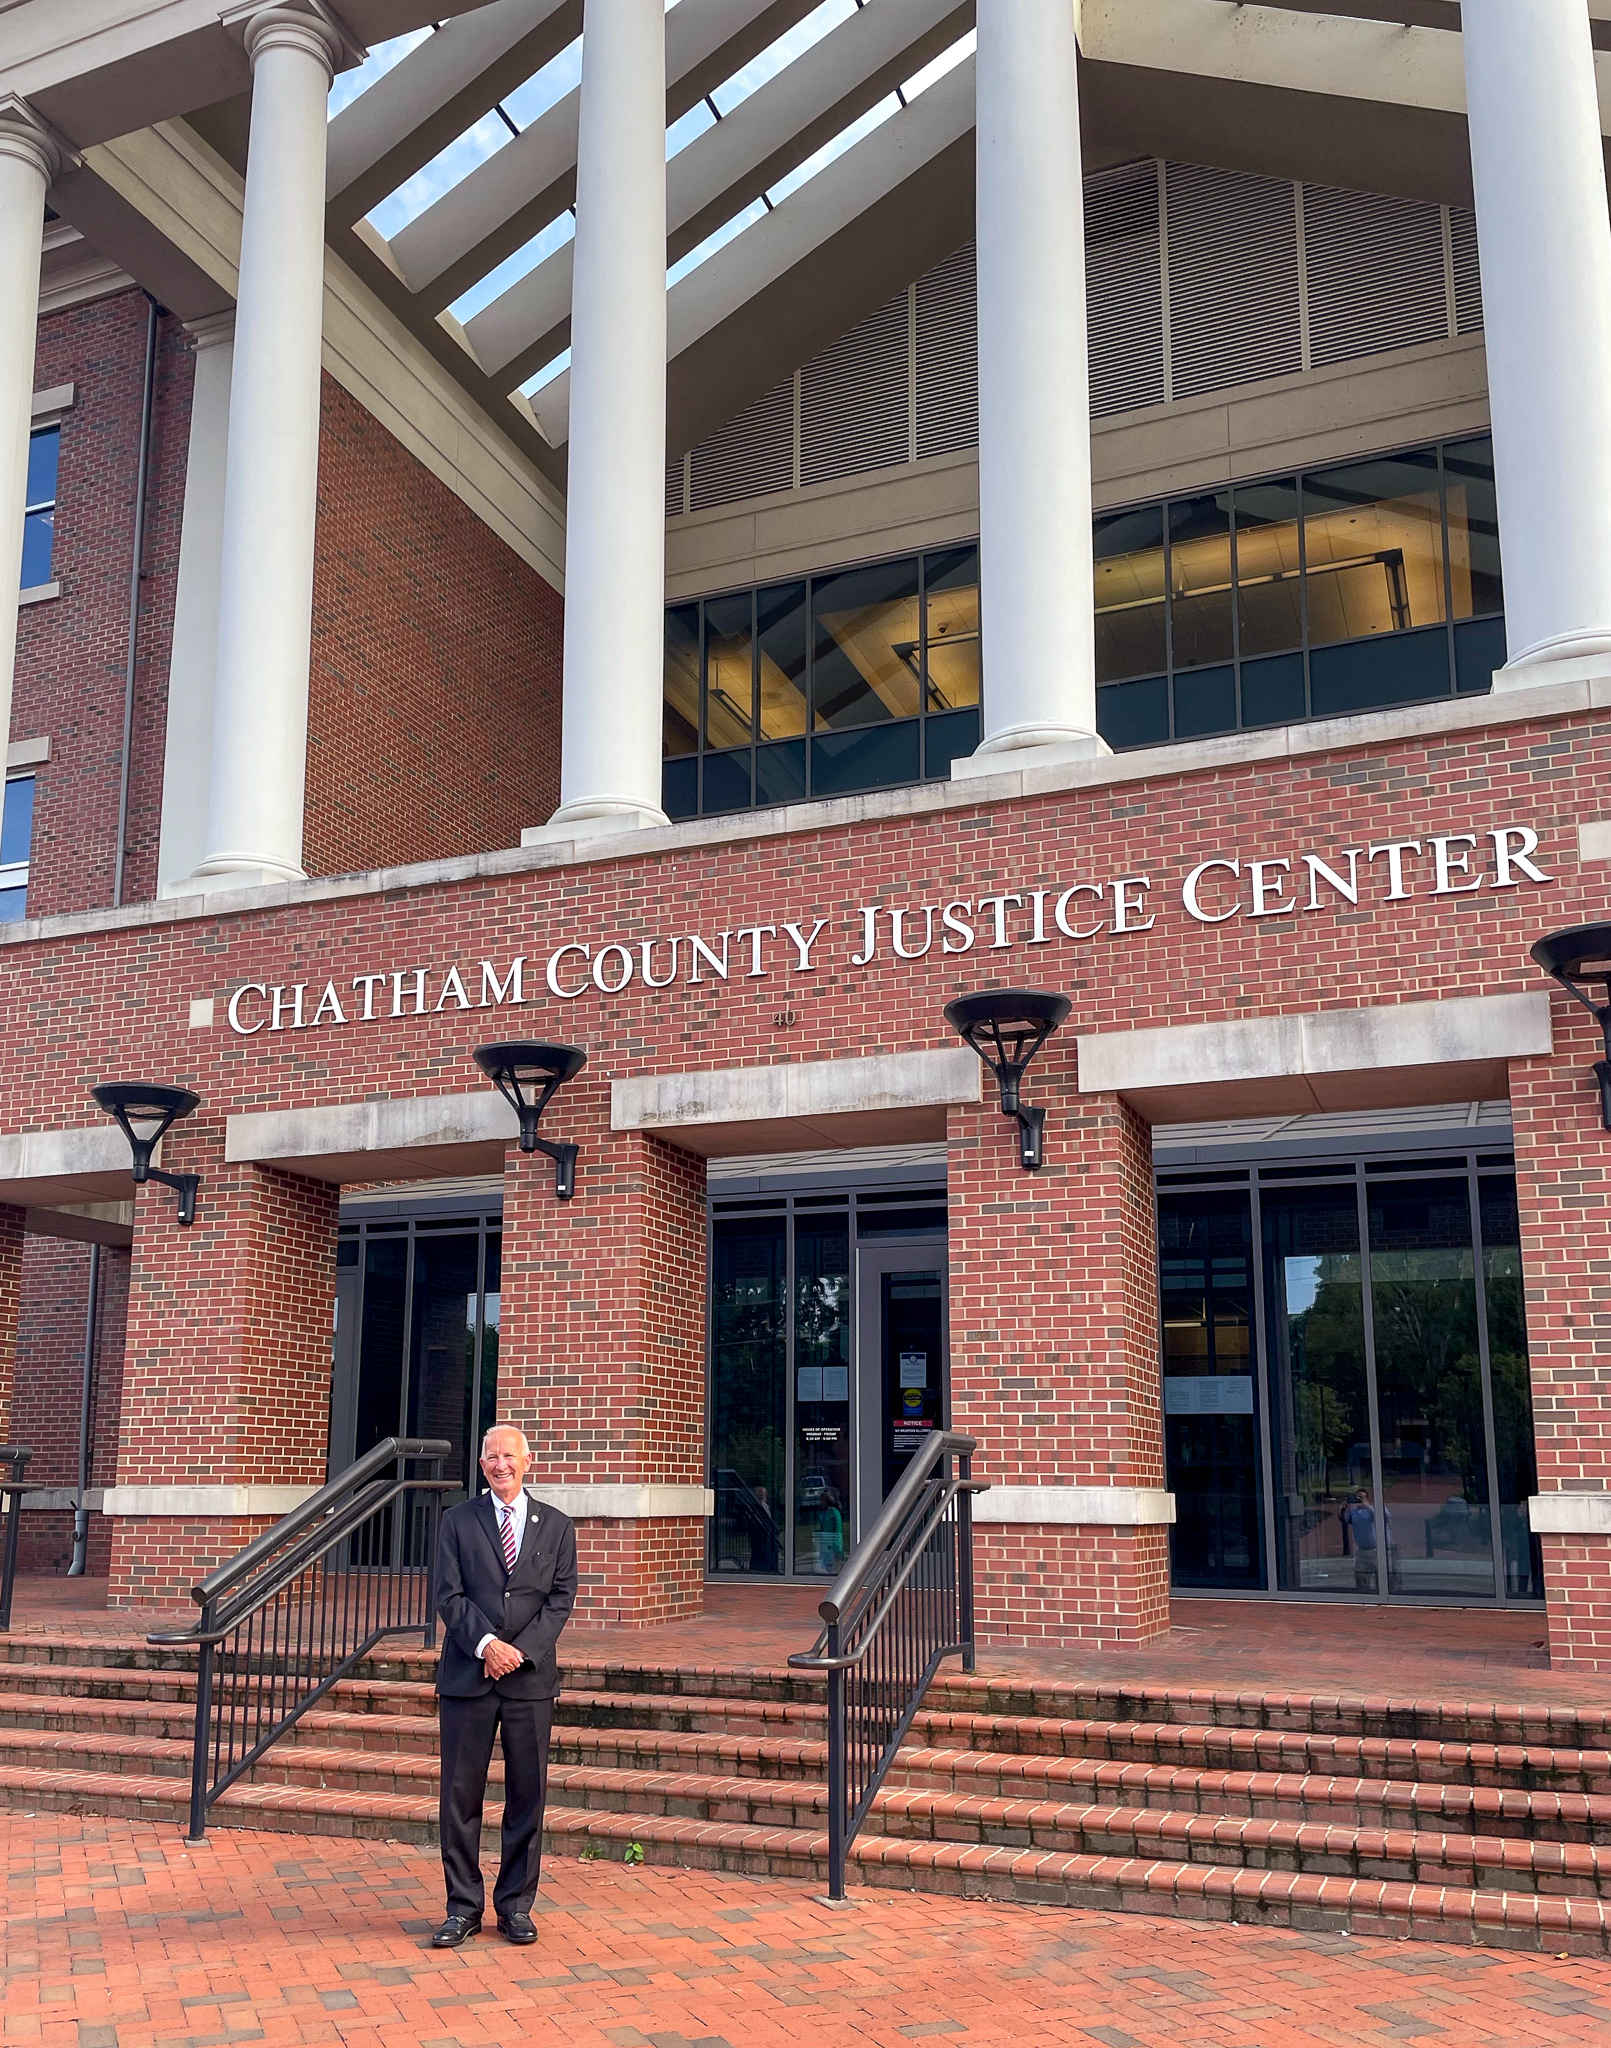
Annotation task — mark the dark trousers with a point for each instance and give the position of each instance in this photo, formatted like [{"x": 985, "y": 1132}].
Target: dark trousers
[{"x": 468, "y": 1726}]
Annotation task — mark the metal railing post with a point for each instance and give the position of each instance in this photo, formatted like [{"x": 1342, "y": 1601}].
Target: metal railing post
[
  {"x": 838, "y": 1815},
  {"x": 204, "y": 1717},
  {"x": 970, "y": 1655}
]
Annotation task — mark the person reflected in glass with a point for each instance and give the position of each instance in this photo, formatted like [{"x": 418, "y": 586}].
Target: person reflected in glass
[{"x": 1358, "y": 1517}]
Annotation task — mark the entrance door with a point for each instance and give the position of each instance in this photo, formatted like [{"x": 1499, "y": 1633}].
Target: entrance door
[
  {"x": 416, "y": 1337},
  {"x": 900, "y": 1363}
]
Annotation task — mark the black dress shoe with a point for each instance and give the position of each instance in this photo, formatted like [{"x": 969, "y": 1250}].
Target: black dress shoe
[
  {"x": 517, "y": 1927},
  {"x": 455, "y": 1928}
]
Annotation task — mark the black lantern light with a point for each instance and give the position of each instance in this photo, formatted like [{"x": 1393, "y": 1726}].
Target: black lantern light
[
  {"x": 526, "y": 1077},
  {"x": 1007, "y": 1027},
  {"x": 143, "y": 1110},
  {"x": 1580, "y": 960}
]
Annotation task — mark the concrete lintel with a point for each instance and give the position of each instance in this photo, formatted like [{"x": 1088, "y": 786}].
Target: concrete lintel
[
  {"x": 62, "y": 1169},
  {"x": 615, "y": 1502},
  {"x": 28, "y": 753},
  {"x": 211, "y": 1502},
  {"x": 800, "y": 1105},
  {"x": 422, "y": 1137},
  {"x": 53, "y": 1499},
  {"x": 1570, "y": 1514},
  {"x": 1096, "y": 1507},
  {"x": 84, "y": 1222},
  {"x": 1378, "y": 1055}
]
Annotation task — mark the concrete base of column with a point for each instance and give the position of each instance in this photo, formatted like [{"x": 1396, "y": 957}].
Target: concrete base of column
[
  {"x": 218, "y": 881},
  {"x": 1073, "y": 1588},
  {"x": 1572, "y": 663},
  {"x": 1029, "y": 747},
  {"x": 638, "y": 1574},
  {"x": 592, "y": 825}
]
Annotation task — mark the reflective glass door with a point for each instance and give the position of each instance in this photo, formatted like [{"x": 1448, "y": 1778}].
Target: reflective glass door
[
  {"x": 900, "y": 1361},
  {"x": 416, "y": 1337}
]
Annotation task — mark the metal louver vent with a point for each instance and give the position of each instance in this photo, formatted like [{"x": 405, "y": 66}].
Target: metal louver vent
[
  {"x": 1124, "y": 289},
  {"x": 1233, "y": 279},
  {"x": 1375, "y": 271},
  {"x": 948, "y": 356},
  {"x": 751, "y": 455},
  {"x": 1467, "y": 277},
  {"x": 855, "y": 401},
  {"x": 674, "y": 486}
]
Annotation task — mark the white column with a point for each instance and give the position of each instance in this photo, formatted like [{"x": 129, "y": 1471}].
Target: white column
[
  {"x": 615, "y": 522},
  {"x": 1036, "y": 591},
  {"x": 1545, "y": 246},
  {"x": 187, "y": 763},
  {"x": 28, "y": 162},
  {"x": 260, "y": 700}
]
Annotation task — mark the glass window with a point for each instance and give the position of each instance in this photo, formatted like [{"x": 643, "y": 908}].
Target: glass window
[
  {"x": 866, "y": 647},
  {"x": 16, "y": 841},
  {"x": 1319, "y": 1391},
  {"x": 1373, "y": 548},
  {"x": 1131, "y": 621},
  {"x": 780, "y": 618},
  {"x": 680, "y": 725},
  {"x": 1205, "y": 1271},
  {"x": 1436, "y": 1526},
  {"x": 39, "y": 515},
  {"x": 951, "y": 606},
  {"x": 1269, "y": 585},
  {"x": 1516, "y": 1465},
  {"x": 729, "y": 671},
  {"x": 1468, "y": 480},
  {"x": 822, "y": 1393},
  {"x": 749, "y": 1355},
  {"x": 1200, "y": 581}
]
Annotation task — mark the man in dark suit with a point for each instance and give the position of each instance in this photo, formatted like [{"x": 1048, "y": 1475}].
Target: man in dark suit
[{"x": 504, "y": 1588}]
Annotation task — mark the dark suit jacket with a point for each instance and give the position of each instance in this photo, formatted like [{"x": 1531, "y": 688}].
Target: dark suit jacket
[{"x": 527, "y": 1607}]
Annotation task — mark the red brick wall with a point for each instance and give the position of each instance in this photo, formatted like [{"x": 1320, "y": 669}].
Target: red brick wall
[
  {"x": 49, "y": 1387},
  {"x": 1054, "y": 1353},
  {"x": 66, "y": 999},
  {"x": 227, "y": 1363},
  {"x": 601, "y": 1346},
  {"x": 433, "y": 715},
  {"x": 11, "y": 1242},
  {"x": 72, "y": 651}
]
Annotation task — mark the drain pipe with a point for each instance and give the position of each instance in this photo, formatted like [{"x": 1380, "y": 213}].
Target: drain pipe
[
  {"x": 86, "y": 1400},
  {"x": 136, "y": 570}
]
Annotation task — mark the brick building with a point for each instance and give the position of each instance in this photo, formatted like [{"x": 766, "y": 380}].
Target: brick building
[{"x": 1129, "y": 526}]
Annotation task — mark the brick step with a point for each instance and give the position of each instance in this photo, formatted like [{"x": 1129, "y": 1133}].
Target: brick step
[
  {"x": 401, "y": 1715},
  {"x": 1105, "y": 1882},
  {"x": 985, "y": 1797},
  {"x": 584, "y": 1670}
]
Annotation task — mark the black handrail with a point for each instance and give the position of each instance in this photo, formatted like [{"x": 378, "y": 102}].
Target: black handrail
[
  {"x": 12, "y": 1491},
  {"x": 902, "y": 1604},
  {"x": 295, "y": 1610}
]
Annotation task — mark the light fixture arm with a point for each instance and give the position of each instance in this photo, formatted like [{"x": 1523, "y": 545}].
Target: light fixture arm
[
  {"x": 512, "y": 1070},
  {"x": 1006, "y": 1028},
  {"x": 1565, "y": 958},
  {"x": 157, "y": 1107}
]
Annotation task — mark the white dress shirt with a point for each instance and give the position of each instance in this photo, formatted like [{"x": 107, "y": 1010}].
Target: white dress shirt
[{"x": 516, "y": 1511}]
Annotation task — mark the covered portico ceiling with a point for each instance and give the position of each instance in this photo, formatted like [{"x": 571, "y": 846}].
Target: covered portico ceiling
[{"x": 819, "y": 151}]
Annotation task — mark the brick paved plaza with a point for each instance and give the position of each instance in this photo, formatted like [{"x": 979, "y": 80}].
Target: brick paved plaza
[{"x": 115, "y": 1935}]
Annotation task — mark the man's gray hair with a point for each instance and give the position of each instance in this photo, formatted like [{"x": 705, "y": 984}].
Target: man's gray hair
[{"x": 506, "y": 1429}]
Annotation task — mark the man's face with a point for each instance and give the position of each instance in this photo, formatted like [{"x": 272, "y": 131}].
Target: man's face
[{"x": 505, "y": 1463}]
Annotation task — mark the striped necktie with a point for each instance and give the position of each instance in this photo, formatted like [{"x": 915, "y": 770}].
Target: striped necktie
[{"x": 508, "y": 1514}]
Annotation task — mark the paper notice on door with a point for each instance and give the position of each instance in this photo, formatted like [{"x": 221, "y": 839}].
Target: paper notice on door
[
  {"x": 809, "y": 1387},
  {"x": 1209, "y": 1394},
  {"x": 914, "y": 1368},
  {"x": 836, "y": 1382}
]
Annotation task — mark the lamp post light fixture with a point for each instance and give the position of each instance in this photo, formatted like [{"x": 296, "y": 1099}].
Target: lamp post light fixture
[
  {"x": 143, "y": 1110},
  {"x": 526, "y": 1077},
  {"x": 1580, "y": 960},
  {"x": 1007, "y": 1027}
]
